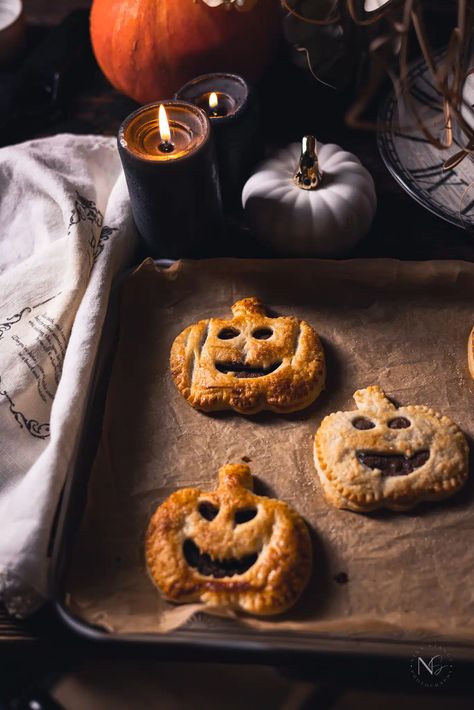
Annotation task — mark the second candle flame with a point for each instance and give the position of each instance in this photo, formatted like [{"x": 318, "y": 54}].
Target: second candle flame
[
  {"x": 213, "y": 100},
  {"x": 163, "y": 125}
]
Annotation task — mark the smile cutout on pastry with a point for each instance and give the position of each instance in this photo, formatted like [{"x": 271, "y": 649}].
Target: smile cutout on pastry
[
  {"x": 249, "y": 362},
  {"x": 242, "y": 370},
  {"x": 381, "y": 455},
  {"x": 229, "y": 547},
  {"x": 210, "y": 567},
  {"x": 393, "y": 464}
]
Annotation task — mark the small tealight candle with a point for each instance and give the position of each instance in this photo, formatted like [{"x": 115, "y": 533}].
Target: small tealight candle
[
  {"x": 233, "y": 112},
  {"x": 169, "y": 163},
  {"x": 147, "y": 132},
  {"x": 216, "y": 104}
]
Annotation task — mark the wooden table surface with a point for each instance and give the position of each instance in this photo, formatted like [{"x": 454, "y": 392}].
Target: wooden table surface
[{"x": 293, "y": 105}]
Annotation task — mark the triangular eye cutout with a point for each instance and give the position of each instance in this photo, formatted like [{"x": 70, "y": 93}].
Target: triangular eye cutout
[
  {"x": 208, "y": 510},
  {"x": 373, "y": 401},
  {"x": 244, "y": 515}
]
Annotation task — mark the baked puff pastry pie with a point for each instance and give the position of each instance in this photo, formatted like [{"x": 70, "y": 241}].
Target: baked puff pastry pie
[
  {"x": 229, "y": 547},
  {"x": 470, "y": 353},
  {"x": 249, "y": 362},
  {"x": 381, "y": 455}
]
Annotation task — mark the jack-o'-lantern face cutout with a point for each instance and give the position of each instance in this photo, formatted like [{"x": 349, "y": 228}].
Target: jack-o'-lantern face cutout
[
  {"x": 384, "y": 456},
  {"x": 249, "y": 362},
  {"x": 229, "y": 547}
]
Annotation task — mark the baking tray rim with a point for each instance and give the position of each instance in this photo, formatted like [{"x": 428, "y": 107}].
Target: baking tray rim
[{"x": 248, "y": 641}]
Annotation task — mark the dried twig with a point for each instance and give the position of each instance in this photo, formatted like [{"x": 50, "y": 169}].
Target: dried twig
[{"x": 402, "y": 25}]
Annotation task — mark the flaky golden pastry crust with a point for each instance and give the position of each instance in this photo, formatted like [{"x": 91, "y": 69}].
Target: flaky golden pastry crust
[
  {"x": 249, "y": 362},
  {"x": 276, "y": 538},
  {"x": 347, "y": 479},
  {"x": 470, "y": 353}
]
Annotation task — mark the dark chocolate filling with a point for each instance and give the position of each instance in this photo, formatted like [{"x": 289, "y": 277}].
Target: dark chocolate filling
[
  {"x": 393, "y": 464},
  {"x": 208, "y": 510},
  {"x": 362, "y": 423},
  {"x": 240, "y": 369},
  {"x": 244, "y": 515},
  {"x": 228, "y": 333},
  {"x": 399, "y": 423},
  {"x": 262, "y": 333},
  {"x": 215, "y": 568}
]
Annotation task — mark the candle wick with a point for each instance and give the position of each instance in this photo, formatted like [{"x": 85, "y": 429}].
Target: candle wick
[
  {"x": 166, "y": 147},
  {"x": 218, "y": 112}
]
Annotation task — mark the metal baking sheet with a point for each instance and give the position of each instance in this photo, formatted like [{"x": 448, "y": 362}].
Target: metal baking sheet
[{"x": 380, "y": 321}]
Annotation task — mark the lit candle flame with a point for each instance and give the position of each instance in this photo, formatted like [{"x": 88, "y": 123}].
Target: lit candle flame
[
  {"x": 163, "y": 125},
  {"x": 213, "y": 101}
]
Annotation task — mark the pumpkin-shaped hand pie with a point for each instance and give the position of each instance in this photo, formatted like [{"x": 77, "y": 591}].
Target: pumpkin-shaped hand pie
[
  {"x": 229, "y": 547},
  {"x": 384, "y": 456},
  {"x": 249, "y": 362}
]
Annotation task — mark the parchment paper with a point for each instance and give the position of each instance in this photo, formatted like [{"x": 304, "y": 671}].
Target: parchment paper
[{"x": 401, "y": 325}]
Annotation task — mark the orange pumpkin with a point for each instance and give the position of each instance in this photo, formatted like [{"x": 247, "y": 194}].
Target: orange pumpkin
[{"x": 149, "y": 48}]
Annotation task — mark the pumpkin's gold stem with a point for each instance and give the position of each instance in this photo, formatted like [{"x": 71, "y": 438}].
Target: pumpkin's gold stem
[{"x": 308, "y": 176}]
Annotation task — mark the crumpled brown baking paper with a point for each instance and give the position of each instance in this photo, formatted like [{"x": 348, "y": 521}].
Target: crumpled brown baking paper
[{"x": 401, "y": 325}]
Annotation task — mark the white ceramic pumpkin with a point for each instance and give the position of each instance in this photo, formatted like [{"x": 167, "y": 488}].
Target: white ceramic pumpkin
[{"x": 324, "y": 214}]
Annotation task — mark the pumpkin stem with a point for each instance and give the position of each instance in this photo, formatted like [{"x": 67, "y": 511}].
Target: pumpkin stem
[
  {"x": 373, "y": 400},
  {"x": 308, "y": 176},
  {"x": 235, "y": 474},
  {"x": 248, "y": 306}
]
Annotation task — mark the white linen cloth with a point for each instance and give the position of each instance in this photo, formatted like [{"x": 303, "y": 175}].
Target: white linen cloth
[{"x": 65, "y": 232}]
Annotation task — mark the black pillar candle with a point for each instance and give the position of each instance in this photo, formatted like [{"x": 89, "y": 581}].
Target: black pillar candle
[
  {"x": 168, "y": 157},
  {"x": 233, "y": 111}
]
